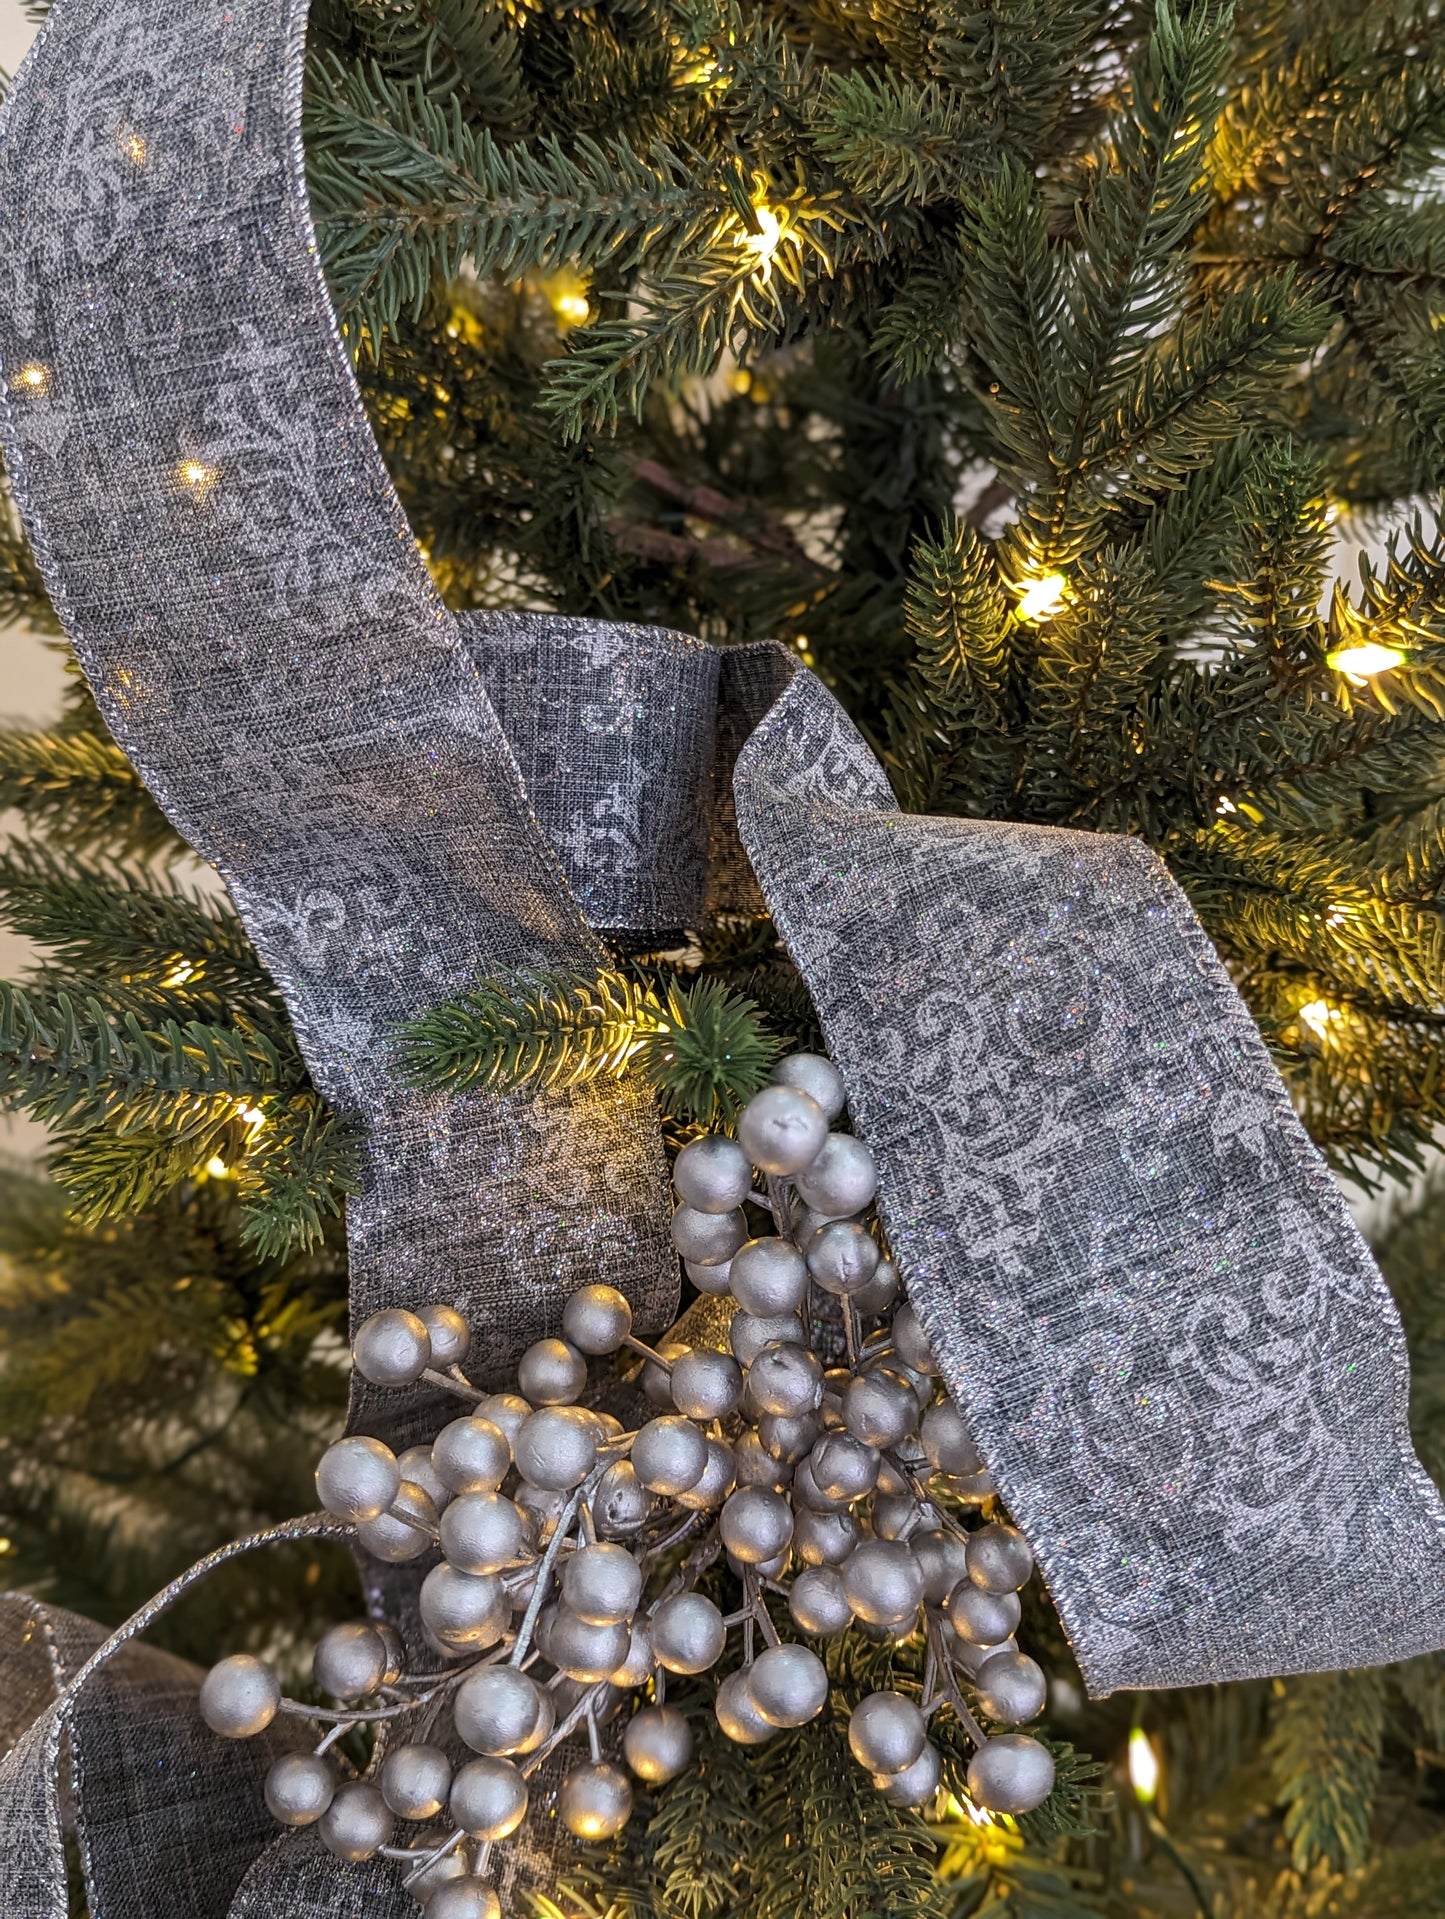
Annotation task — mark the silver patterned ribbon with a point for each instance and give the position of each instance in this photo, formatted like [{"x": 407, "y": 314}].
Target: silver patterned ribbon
[{"x": 1179, "y": 1358}]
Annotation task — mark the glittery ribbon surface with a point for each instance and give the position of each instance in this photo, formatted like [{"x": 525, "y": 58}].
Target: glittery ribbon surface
[{"x": 1145, "y": 1292}]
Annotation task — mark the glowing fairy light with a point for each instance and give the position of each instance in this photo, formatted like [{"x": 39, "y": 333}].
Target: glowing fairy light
[
  {"x": 1361, "y": 662},
  {"x": 252, "y": 1117},
  {"x": 763, "y": 243},
  {"x": 196, "y": 477},
  {"x": 182, "y": 971},
  {"x": 566, "y": 293},
  {"x": 1320, "y": 1016},
  {"x": 217, "y": 1167},
  {"x": 1043, "y": 598},
  {"x": 1143, "y": 1766},
  {"x": 134, "y": 146},
  {"x": 33, "y": 379},
  {"x": 1226, "y": 804}
]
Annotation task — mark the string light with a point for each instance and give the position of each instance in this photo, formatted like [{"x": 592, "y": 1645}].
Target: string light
[
  {"x": 33, "y": 379},
  {"x": 1043, "y": 598},
  {"x": 1320, "y": 1016},
  {"x": 179, "y": 974},
  {"x": 566, "y": 293},
  {"x": 1361, "y": 661},
  {"x": 253, "y": 1117},
  {"x": 217, "y": 1167},
  {"x": 1144, "y": 1766},
  {"x": 196, "y": 477},
  {"x": 134, "y": 146},
  {"x": 763, "y": 243}
]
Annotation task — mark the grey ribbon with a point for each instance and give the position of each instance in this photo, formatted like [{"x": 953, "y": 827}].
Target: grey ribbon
[{"x": 1177, "y": 1355}]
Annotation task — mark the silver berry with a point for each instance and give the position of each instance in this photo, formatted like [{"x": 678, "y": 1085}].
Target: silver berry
[
  {"x": 982, "y": 1618},
  {"x": 709, "y": 1279},
  {"x": 788, "y": 1685},
  {"x": 782, "y": 1130},
  {"x": 911, "y": 1343},
  {"x": 712, "y": 1175},
  {"x": 916, "y": 1784},
  {"x": 999, "y": 1559},
  {"x": 639, "y": 1666},
  {"x": 551, "y": 1373},
  {"x": 448, "y": 1334},
  {"x": 788, "y": 1437},
  {"x": 357, "y": 1479},
  {"x": 708, "y": 1238},
  {"x": 350, "y": 1661},
  {"x": 735, "y": 1712},
  {"x": 416, "y": 1465},
  {"x": 620, "y": 1503},
  {"x": 404, "y": 1532},
  {"x": 706, "y": 1384},
  {"x": 756, "y": 1524},
  {"x": 556, "y": 1447},
  {"x": 500, "y": 1711},
  {"x": 595, "y": 1800},
  {"x": 505, "y": 1410},
  {"x": 602, "y": 1584},
  {"x": 842, "y": 1257},
  {"x": 657, "y": 1744},
  {"x": 842, "y": 1180},
  {"x": 816, "y": 1076},
  {"x": 818, "y": 1602},
  {"x": 464, "y": 1897},
  {"x": 755, "y": 1466},
  {"x": 1011, "y": 1774},
  {"x": 1012, "y": 1689},
  {"x": 669, "y": 1455},
  {"x": 880, "y": 1292},
  {"x": 584, "y": 1651},
  {"x": 471, "y": 1455},
  {"x": 688, "y": 1634},
  {"x": 748, "y": 1334},
  {"x": 942, "y": 1558},
  {"x": 884, "y": 1582},
  {"x": 719, "y": 1476},
  {"x": 357, "y": 1823},
  {"x": 482, "y": 1532},
  {"x": 947, "y": 1440},
  {"x": 786, "y": 1379},
  {"x": 596, "y": 1319},
  {"x": 488, "y": 1798},
  {"x": 240, "y": 1696},
  {"x": 464, "y": 1609},
  {"x": 844, "y": 1467},
  {"x": 299, "y": 1788},
  {"x": 824, "y": 1539},
  {"x": 415, "y": 1781},
  {"x": 879, "y": 1408},
  {"x": 392, "y": 1348},
  {"x": 886, "y": 1732},
  {"x": 768, "y": 1276}
]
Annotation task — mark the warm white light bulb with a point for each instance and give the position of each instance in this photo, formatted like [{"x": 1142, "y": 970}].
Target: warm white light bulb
[
  {"x": 1367, "y": 658},
  {"x": 1143, "y": 1766},
  {"x": 1041, "y": 599},
  {"x": 1319, "y": 1016},
  {"x": 764, "y": 243}
]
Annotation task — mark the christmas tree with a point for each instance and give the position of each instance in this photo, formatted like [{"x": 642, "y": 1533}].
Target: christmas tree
[{"x": 1017, "y": 365}]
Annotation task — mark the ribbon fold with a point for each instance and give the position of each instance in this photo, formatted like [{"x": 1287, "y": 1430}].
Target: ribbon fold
[{"x": 1144, "y": 1290}]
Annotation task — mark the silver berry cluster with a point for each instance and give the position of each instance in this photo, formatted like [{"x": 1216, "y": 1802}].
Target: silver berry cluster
[{"x": 820, "y": 1454}]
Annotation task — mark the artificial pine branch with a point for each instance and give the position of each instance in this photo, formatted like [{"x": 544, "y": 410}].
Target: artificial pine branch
[{"x": 702, "y": 1049}]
